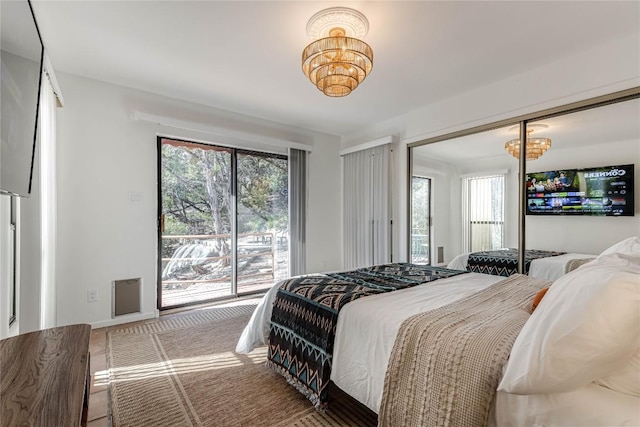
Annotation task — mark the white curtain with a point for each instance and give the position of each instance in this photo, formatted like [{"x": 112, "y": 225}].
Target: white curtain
[
  {"x": 48, "y": 203},
  {"x": 483, "y": 212},
  {"x": 297, "y": 211},
  {"x": 367, "y": 215}
]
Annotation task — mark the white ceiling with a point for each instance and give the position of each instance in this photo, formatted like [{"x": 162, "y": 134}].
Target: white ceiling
[{"x": 244, "y": 56}]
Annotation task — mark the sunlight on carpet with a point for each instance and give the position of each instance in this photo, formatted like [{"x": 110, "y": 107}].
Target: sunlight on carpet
[
  {"x": 180, "y": 366},
  {"x": 183, "y": 371}
]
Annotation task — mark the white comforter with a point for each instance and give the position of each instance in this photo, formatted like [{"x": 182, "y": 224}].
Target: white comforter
[{"x": 367, "y": 329}]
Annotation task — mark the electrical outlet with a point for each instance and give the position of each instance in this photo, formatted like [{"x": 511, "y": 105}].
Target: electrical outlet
[{"x": 92, "y": 295}]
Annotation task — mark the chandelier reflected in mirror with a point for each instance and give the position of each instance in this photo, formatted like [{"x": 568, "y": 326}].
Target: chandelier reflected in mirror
[
  {"x": 536, "y": 147},
  {"x": 337, "y": 61}
]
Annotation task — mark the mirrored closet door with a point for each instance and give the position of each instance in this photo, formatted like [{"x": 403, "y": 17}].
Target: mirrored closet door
[{"x": 581, "y": 167}]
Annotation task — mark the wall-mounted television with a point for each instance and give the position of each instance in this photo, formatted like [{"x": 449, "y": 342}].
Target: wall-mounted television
[
  {"x": 21, "y": 59},
  {"x": 601, "y": 191}
]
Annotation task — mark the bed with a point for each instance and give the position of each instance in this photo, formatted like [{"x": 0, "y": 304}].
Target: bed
[
  {"x": 504, "y": 262},
  {"x": 561, "y": 388}
]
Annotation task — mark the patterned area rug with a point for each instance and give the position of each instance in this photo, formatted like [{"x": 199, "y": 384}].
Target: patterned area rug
[{"x": 183, "y": 371}]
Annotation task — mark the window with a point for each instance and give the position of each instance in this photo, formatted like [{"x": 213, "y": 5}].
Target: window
[
  {"x": 483, "y": 223},
  {"x": 420, "y": 219},
  {"x": 224, "y": 222}
]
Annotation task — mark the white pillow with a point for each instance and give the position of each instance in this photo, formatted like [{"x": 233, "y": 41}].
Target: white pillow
[
  {"x": 627, "y": 249},
  {"x": 587, "y": 324},
  {"x": 626, "y": 378}
]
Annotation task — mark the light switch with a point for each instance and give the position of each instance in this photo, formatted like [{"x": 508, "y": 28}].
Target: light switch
[{"x": 135, "y": 196}]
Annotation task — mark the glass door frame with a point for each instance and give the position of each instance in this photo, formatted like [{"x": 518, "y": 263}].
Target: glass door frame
[
  {"x": 429, "y": 220},
  {"x": 233, "y": 203}
]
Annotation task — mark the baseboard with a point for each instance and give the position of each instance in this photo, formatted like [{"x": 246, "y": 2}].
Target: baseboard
[{"x": 126, "y": 318}]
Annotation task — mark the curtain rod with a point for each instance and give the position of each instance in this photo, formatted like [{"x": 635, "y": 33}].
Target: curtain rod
[
  {"x": 51, "y": 74},
  {"x": 366, "y": 145}
]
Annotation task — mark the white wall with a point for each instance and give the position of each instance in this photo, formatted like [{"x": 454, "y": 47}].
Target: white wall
[
  {"x": 324, "y": 213},
  {"x": 602, "y": 69},
  {"x": 104, "y": 156}
]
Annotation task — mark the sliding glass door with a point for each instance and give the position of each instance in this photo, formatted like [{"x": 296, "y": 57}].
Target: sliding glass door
[
  {"x": 223, "y": 222},
  {"x": 420, "y": 220},
  {"x": 263, "y": 220}
]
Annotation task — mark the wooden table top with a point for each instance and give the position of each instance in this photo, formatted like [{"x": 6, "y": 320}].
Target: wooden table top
[{"x": 43, "y": 376}]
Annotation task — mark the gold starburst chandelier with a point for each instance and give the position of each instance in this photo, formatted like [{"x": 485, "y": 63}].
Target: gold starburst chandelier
[
  {"x": 536, "y": 147},
  {"x": 337, "y": 61}
]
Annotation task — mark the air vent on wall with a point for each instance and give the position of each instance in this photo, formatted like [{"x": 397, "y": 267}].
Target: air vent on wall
[{"x": 126, "y": 297}]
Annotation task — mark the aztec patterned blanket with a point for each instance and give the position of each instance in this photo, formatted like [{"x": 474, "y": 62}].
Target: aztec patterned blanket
[
  {"x": 446, "y": 363},
  {"x": 504, "y": 262},
  {"x": 305, "y": 315}
]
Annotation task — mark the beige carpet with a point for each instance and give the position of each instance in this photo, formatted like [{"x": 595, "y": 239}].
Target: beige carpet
[{"x": 183, "y": 371}]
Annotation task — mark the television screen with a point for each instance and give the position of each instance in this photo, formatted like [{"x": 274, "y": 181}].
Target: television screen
[
  {"x": 604, "y": 190},
  {"x": 21, "y": 70}
]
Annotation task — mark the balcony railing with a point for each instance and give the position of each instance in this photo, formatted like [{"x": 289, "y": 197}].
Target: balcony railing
[
  {"x": 199, "y": 268},
  {"x": 264, "y": 243},
  {"x": 419, "y": 246}
]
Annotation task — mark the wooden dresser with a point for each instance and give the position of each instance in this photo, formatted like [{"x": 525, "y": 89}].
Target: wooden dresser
[{"x": 44, "y": 377}]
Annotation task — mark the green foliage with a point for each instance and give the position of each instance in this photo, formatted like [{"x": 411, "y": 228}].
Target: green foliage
[
  {"x": 262, "y": 193},
  {"x": 196, "y": 197},
  {"x": 420, "y": 205}
]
